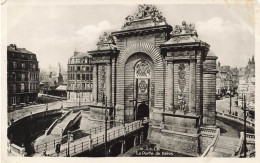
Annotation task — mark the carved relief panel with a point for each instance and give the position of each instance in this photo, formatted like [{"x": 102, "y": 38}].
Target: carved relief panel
[
  {"x": 101, "y": 83},
  {"x": 181, "y": 85}
]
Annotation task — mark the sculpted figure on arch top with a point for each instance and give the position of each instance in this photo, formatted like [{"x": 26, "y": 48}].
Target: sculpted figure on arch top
[{"x": 184, "y": 29}]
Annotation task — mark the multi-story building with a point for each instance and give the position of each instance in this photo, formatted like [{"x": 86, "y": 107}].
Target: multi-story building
[
  {"x": 247, "y": 82},
  {"x": 22, "y": 76},
  {"x": 79, "y": 86},
  {"x": 228, "y": 79}
]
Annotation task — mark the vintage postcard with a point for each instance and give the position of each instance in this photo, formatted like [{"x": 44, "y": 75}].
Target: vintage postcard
[{"x": 97, "y": 79}]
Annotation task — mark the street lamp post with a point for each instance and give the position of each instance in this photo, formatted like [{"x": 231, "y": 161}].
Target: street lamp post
[
  {"x": 47, "y": 99},
  {"x": 230, "y": 102},
  {"x": 61, "y": 101},
  {"x": 79, "y": 98},
  {"x": 106, "y": 129},
  {"x": 237, "y": 99},
  {"x": 69, "y": 135},
  {"x": 245, "y": 126}
]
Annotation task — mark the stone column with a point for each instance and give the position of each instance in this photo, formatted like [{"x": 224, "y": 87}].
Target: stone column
[
  {"x": 95, "y": 83},
  {"x": 192, "y": 87},
  {"x": 170, "y": 102},
  {"x": 109, "y": 84}
]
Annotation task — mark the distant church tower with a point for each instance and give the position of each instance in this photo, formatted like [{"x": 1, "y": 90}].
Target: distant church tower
[{"x": 60, "y": 78}]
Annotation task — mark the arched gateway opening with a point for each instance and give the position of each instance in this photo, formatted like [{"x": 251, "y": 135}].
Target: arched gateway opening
[{"x": 139, "y": 85}]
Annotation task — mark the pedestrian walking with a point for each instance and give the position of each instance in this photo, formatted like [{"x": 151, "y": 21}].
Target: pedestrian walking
[
  {"x": 57, "y": 150},
  {"x": 44, "y": 153}
]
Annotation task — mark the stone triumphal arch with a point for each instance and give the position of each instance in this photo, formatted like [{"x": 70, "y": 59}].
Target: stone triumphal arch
[{"x": 149, "y": 69}]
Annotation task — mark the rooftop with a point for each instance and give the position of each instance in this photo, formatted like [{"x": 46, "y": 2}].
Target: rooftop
[
  {"x": 13, "y": 48},
  {"x": 80, "y": 55}
]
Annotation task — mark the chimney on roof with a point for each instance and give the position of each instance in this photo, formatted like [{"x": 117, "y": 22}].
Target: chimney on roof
[
  {"x": 13, "y": 46},
  {"x": 75, "y": 52}
]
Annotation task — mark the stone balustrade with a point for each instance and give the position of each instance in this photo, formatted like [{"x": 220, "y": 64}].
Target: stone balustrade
[
  {"x": 237, "y": 119},
  {"x": 16, "y": 150},
  {"x": 211, "y": 147}
]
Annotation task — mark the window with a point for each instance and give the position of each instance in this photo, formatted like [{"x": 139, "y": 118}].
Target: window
[
  {"x": 23, "y": 65},
  {"x": 78, "y": 76},
  {"x": 23, "y": 76},
  {"x": 13, "y": 86},
  {"x": 83, "y": 77},
  {"x": 78, "y": 68},
  {"x": 13, "y": 100},
  {"x": 83, "y": 68},
  {"x": 83, "y": 85},
  {"x": 22, "y": 87},
  {"x": 91, "y": 77},
  {"x": 87, "y": 68},
  {"x": 13, "y": 77},
  {"x": 87, "y": 77},
  {"x": 14, "y": 65}
]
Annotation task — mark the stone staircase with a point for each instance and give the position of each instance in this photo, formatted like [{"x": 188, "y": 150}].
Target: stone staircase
[
  {"x": 57, "y": 130},
  {"x": 225, "y": 147}
]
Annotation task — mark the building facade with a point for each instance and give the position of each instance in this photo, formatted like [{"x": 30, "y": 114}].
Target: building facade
[
  {"x": 22, "y": 76},
  {"x": 149, "y": 69},
  {"x": 246, "y": 84},
  {"x": 227, "y": 80},
  {"x": 79, "y": 85}
]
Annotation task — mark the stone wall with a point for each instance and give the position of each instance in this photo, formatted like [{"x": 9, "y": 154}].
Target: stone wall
[
  {"x": 174, "y": 141},
  {"x": 209, "y": 91}
]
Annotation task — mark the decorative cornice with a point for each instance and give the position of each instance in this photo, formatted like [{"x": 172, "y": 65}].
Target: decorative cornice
[{"x": 143, "y": 31}]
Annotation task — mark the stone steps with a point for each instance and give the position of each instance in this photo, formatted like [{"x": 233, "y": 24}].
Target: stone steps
[{"x": 226, "y": 146}]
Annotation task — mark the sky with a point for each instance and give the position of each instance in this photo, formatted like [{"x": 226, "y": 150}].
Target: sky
[{"x": 53, "y": 32}]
